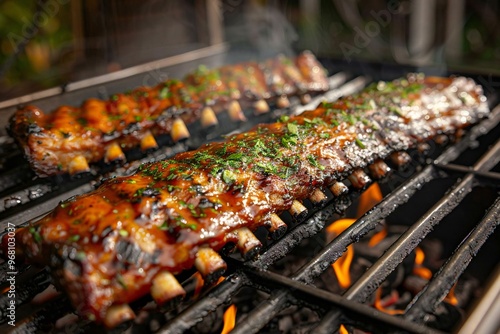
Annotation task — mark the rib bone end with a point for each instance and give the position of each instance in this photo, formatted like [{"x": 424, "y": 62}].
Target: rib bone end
[
  {"x": 118, "y": 314},
  {"x": 235, "y": 112},
  {"x": 148, "y": 142},
  {"x": 277, "y": 227},
  {"x": 298, "y": 210},
  {"x": 248, "y": 244},
  {"x": 318, "y": 197},
  {"x": 208, "y": 117},
  {"x": 166, "y": 287},
  {"x": 78, "y": 165},
  {"x": 179, "y": 130},
  {"x": 114, "y": 153},
  {"x": 261, "y": 107},
  {"x": 283, "y": 102},
  {"x": 400, "y": 159},
  {"x": 210, "y": 264},
  {"x": 305, "y": 99},
  {"x": 379, "y": 169},
  {"x": 359, "y": 179},
  {"x": 338, "y": 189}
]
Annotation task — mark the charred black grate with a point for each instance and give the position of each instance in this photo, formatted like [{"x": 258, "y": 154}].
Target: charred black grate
[{"x": 279, "y": 291}]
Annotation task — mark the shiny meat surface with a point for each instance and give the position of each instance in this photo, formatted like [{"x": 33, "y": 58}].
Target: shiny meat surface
[
  {"x": 52, "y": 142},
  {"x": 106, "y": 248}
]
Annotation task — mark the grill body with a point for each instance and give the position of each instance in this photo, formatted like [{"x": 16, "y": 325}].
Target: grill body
[{"x": 453, "y": 177}]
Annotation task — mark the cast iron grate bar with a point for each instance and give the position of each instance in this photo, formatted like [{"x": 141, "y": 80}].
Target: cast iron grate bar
[
  {"x": 442, "y": 282},
  {"x": 490, "y": 176}
]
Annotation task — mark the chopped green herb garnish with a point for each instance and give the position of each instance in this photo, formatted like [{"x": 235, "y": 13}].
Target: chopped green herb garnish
[
  {"x": 165, "y": 93},
  {"x": 324, "y": 135},
  {"x": 284, "y": 118},
  {"x": 235, "y": 156},
  {"x": 312, "y": 160},
  {"x": 228, "y": 176},
  {"x": 359, "y": 143},
  {"x": 292, "y": 128},
  {"x": 36, "y": 235},
  {"x": 121, "y": 281},
  {"x": 164, "y": 226},
  {"x": 396, "y": 110},
  {"x": 123, "y": 233},
  {"x": 289, "y": 140}
]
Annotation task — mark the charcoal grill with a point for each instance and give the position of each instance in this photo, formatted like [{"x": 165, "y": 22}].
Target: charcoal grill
[{"x": 469, "y": 164}]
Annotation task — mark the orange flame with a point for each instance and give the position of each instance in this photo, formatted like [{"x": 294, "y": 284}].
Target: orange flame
[
  {"x": 377, "y": 237},
  {"x": 343, "y": 330},
  {"x": 199, "y": 284},
  {"x": 451, "y": 298},
  {"x": 383, "y": 306},
  {"x": 341, "y": 267},
  {"x": 343, "y": 263},
  {"x": 419, "y": 269},
  {"x": 229, "y": 319},
  {"x": 369, "y": 199}
]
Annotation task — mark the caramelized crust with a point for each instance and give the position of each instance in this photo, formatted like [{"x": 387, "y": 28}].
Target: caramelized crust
[
  {"x": 52, "y": 141},
  {"x": 106, "y": 248}
]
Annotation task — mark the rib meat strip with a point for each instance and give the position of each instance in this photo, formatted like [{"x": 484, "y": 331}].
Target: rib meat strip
[{"x": 100, "y": 128}]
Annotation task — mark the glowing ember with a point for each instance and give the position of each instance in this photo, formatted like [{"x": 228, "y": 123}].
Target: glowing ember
[
  {"x": 383, "y": 305},
  {"x": 343, "y": 330},
  {"x": 229, "y": 319}
]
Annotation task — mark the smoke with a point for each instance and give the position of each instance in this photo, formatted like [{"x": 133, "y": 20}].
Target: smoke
[{"x": 261, "y": 30}]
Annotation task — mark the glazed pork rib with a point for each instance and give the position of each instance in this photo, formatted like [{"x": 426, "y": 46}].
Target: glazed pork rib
[
  {"x": 132, "y": 234},
  {"x": 70, "y": 138}
]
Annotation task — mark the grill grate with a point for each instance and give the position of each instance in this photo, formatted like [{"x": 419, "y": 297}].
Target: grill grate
[{"x": 299, "y": 289}]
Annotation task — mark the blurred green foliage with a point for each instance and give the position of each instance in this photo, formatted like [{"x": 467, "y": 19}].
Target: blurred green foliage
[{"x": 35, "y": 40}]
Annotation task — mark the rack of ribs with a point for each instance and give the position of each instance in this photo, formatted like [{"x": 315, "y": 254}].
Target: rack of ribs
[{"x": 70, "y": 138}]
